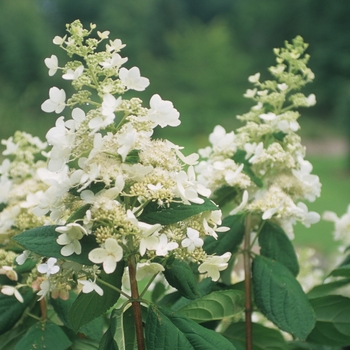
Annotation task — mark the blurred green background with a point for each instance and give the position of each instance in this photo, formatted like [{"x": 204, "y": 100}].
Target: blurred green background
[{"x": 198, "y": 54}]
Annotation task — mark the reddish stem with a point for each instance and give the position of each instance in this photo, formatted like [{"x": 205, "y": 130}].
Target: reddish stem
[{"x": 136, "y": 307}]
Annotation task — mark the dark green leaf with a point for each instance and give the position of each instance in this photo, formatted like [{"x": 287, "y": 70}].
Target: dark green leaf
[
  {"x": 279, "y": 136},
  {"x": 263, "y": 338},
  {"x": 28, "y": 266},
  {"x": 227, "y": 241},
  {"x": 91, "y": 305},
  {"x": 42, "y": 241},
  {"x": 85, "y": 344},
  {"x": 107, "y": 342},
  {"x": 332, "y": 321},
  {"x": 328, "y": 288},
  {"x": 276, "y": 245},
  {"x": 153, "y": 214},
  {"x": 79, "y": 213},
  {"x": 224, "y": 195},
  {"x": 132, "y": 157},
  {"x": 341, "y": 271},
  {"x": 180, "y": 276},
  {"x": 214, "y": 306},
  {"x": 92, "y": 330},
  {"x": 298, "y": 345},
  {"x": 44, "y": 335},
  {"x": 11, "y": 309},
  {"x": 239, "y": 157},
  {"x": 168, "y": 330},
  {"x": 280, "y": 297}
]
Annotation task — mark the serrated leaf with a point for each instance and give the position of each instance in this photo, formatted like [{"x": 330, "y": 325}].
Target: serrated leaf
[
  {"x": 153, "y": 214},
  {"x": 280, "y": 297},
  {"x": 226, "y": 241},
  {"x": 42, "y": 241},
  {"x": 169, "y": 330},
  {"x": 11, "y": 309},
  {"x": 44, "y": 335},
  {"x": 214, "y": 306},
  {"x": 91, "y": 305},
  {"x": 276, "y": 245},
  {"x": 263, "y": 338},
  {"x": 327, "y": 288},
  {"x": 332, "y": 321},
  {"x": 180, "y": 276}
]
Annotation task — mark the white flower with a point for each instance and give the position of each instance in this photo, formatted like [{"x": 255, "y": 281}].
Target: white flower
[
  {"x": 257, "y": 153},
  {"x": 71, "y": 234},
  {"x": 242, "y": 205},
  {"x": 127, "y": 139},
  {"x": 103, "y": 35},
  {"x": 268, "y": 117},
  {"x": 9, "y": 272},
  {"x": 307, "y": 217},
  {"x": 52, "y": 64},
  {"x": 10, "y": 290},
  {"x": 49, "y": 267},
  {"x": 57, "y": 40},
  {"x": 147, "y": 269},
  {"x": 254, "y": 78},
  {"x": 45, "y": 287},
  {"x": 193, "y": 241},
  {"x": 115, "y": 45},
  {"x": 110, "y": 104},
  {"x": 115, "y": 61},
  {"x": 89, "y": 286},
  {"x": 213, "y": 264},
  {"x": 56, "y": 102},
  {"x": 73, "y": 74},
  {"x": 222, "y": 141},
  {"x": 272, "y": 211},
  {"x": 132, "y": 79},
  {"x": 162, "y": 112},
  {"x": 21, "y": 259},
  {"x": 163, "y": 246},
  {"x": 311, "y": 100},
  {"x": 109, "y": 255},
  {"x": 342, "y": 224}
]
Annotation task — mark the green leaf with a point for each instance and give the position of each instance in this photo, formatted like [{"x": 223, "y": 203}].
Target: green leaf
[
  {"x": 124, "y": 329},
  {"x": 169, "y": 330},
  {"x": 341, "y": 271},
  {"x": 44, "y": 335},
  {"x": 327, "y": 289},
  {"x": 214, "y": 306},
  {"x": 227, "y": 241},
  {"x": 79, "y": 213},
  {"x": 85, "y": 344},
  {"x": 153, "y": 214},
  {"x": 180, "y": 276},
  {"x": 279, "y": 136},
  {"x": 332, "y": 321},
  {"x": 132, "y": 157},
  {"x": 280, "y": 297},
  {"x": 239, "y": 157},
  {"x": 276, "y": 245},
  {"x": 224, "y": 195},
  {"x": 42, "y": 241},
  {"x": 11, "y": 309},
  {"x": 263, "y": 338},
  {"x": 91, "y": 305}
]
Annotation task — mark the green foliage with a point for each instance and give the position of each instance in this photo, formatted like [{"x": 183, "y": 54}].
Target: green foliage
[
  {"x": 42, "y": 241},
  {"x": 264, "y": 338},
  {"x": 227, "y": 241},
  {"x": 180, "y": 276},
  {"x": 280, "y": 297},
  {"x": 332, "y": 321},
  {"x": 276, "y": 245},
  {"x": 44, "y": 335},
  {"x": 167, "y": 329},
  {"x": 175, "y": 212},
  {"x": 214, "y": 306},
  {"x": 11, "y": 309}
]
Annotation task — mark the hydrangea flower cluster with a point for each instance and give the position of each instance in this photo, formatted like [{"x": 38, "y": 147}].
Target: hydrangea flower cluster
[
  {"x": 262, "y": 165},
  {"x": 107, "y": 178}
]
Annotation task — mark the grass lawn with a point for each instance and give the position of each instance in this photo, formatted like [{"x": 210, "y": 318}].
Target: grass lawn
[{"x": 335, "y": 196}]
